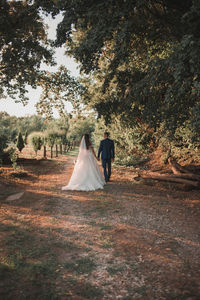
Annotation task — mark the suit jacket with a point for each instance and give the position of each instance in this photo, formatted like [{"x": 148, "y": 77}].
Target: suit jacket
[{"x": 106, "y": 149}]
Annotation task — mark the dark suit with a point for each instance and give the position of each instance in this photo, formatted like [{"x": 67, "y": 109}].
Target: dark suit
[{"x": 107, "y": 151}]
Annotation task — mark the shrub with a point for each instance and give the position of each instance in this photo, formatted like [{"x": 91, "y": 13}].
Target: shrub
[
  {"x": 36, "y": 141},
  {"x": 20, "y": 142},
  {"x": 13, "y": 157}
]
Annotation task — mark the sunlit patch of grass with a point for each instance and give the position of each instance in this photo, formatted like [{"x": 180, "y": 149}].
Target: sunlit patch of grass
[
  {"x": 81, "y": 266},
  {"x": 13, "y": 261},
  {"x": 73, "y": 152},
  {"x": 53, "y": 221},
  {"x": 107, "y": 242}
]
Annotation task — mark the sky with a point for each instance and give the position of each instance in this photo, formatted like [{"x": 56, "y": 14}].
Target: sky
[{"x": 18, "y": 109}]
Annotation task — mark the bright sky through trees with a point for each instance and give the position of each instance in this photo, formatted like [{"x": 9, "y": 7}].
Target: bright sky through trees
[{"x": 18, "y": 109}]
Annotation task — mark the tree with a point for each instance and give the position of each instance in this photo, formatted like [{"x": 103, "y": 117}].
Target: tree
[
  {"x": 79, "y": 125},
  {"x": 30, "y": 124},
  {"x": 51, "y": 138},
  {"x": 23, "y": 46},
  {"x": 143, "y": 54},
  {"x": 3, "y": 142},
  {"x": 58, "y": 87},
  {"x": 26, "y": 137},
  {"x": 36, "y": 141},
  {"x": 8, "y": 132},
  {"x": 20, "y": 142}
]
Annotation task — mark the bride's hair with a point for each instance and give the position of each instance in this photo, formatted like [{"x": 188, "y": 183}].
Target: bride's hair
[{"x": 87, "y": 140}]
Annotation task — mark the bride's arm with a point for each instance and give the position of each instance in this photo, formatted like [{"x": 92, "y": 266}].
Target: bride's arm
[{"x": 91, "y": 147}]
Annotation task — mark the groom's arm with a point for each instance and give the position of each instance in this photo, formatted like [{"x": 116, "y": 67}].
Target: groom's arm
[
  {"x": 113, "y": 150},
  {"x": 100, "y": 149}
]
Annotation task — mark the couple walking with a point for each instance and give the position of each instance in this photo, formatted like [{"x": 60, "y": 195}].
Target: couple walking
[{"x": 86, "y": 175}]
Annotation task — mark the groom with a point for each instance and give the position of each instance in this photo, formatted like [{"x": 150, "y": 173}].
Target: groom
[{"x": 107, "y": 151}]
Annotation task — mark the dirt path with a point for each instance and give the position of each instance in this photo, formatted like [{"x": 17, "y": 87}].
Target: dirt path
[{"x": 128, "y": 241}]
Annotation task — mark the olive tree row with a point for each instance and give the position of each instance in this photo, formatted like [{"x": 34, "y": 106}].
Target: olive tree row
[{"x": 57, "y": 139}]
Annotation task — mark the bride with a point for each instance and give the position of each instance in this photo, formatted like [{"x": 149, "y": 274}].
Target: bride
[{"x": 86, "y": 175}]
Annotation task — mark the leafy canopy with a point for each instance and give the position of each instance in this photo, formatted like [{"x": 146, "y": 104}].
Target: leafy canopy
[{"x": 143, "y": 55}]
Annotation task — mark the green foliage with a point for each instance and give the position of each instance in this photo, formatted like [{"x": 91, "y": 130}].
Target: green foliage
[
  {"x": 57, "y": 129},
  {"x": 20, "y": 142},
  {"x": 141, "y": 57},
  {"x": 11, "y": 125},
  {"x": 3, "y": 141},
  {"x": 57, "y": 88},
  {"x": 186, "y": 143},
  {"x": 36, "y": 140},
  {"x": 26, "y": 138},
  {"x": 30, "y": 124},
  {"x": 51, "y": 138},
  {"x": 23, "y": 47},
  {"x": 79, "y": 125},
  {"x": 8, "y": 131},
  {"x": 132, "y": 143},
  {"x": 13, "y": 157}
]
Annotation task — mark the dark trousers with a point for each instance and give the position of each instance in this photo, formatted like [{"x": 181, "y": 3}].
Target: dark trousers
[{"x": 106, "y": 164}]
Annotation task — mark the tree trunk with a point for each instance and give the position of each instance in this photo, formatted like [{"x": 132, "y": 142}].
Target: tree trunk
[
  {"x": 180, "y": 175},
  {"x": 189, "y": 176},
  {"x": 45, "y": 152},
  {"x": 61, "y": 149},
  {"x": 56, "y": 150},
  {"x": 51, "y": 151},
  {"x": 171, "y": 179},
  {"x": 176, "y": 168}
]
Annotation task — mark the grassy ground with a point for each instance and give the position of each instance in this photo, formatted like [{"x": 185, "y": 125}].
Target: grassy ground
[{"x": 128, "y": 241}]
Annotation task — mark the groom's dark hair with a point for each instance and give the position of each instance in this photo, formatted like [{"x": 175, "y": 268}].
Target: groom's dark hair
[{"x": 106, "y": 133}]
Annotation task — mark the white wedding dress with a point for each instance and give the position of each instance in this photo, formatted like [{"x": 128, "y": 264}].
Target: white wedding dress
[{"x": 86, "y": 175}]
